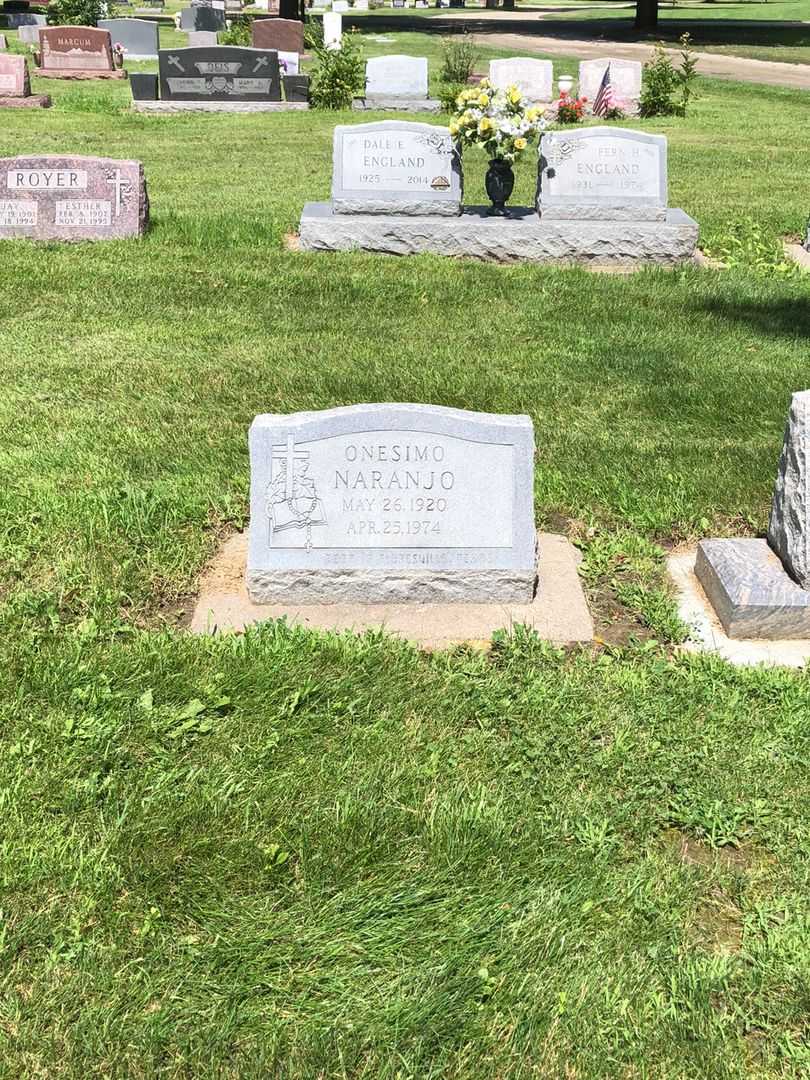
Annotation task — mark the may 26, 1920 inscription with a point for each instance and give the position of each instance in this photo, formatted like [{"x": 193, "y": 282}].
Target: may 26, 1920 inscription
[{"x": 391, "y": 502}]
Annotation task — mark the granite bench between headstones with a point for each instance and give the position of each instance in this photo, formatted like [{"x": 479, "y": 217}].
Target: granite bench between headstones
[
  {"x": 224, "y": 78},
  {"x": 602, "y": 202},
  {"x": 76, "y": 52},
  {"x": 397, "y": 84},
  {"x": 72, "y": 198},
  {"x": 139, "y": 37},
  {"x": 15, "y": 85},
  {"x": 534, "y": 78},
  {"x": 760, "y": 589}
]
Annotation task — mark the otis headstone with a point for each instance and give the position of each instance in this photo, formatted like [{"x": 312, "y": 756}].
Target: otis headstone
[
  {"x": 72, "y": 198},
  {"x": 391, "y": 503},
  {"x": 224, "y": 73}
]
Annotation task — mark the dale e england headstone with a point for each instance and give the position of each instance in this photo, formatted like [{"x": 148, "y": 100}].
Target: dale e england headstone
[
  {"x": 625, "y": 78},
  {"x": 391, "y": 503},
  {"x": 533, "y": 78},
  {"x": 139, "y": 37},
  {"x": 600, "y": 172},
  {"x": 395, "y": 167},
  {"x": 72, "y": 198}
]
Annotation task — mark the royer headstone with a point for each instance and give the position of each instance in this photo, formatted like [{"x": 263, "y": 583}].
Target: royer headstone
[
  {"x": 600, "y": 172},
  {"x": 761, "y": 588},
  {"x": 397, "y": 83},
  {"x": 15, "y": 85},
  {"x": 395, "y": 167},
  {"x": 285, "y": 35},
  {"x": 72, "y": 198},
  {"x": 139, "y": 37},
  {"x": 76, "y": 52},
  {"x": 534, "y": 78},
  {"x": 391, "y": 503},
  {"x": 625, "y": 78}
]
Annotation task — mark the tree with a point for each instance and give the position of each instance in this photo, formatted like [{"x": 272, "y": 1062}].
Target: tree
[{"x": 647, "y": 15}]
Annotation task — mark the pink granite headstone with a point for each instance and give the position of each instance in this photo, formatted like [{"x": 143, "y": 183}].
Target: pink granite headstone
[
  {"x": 14, "y": 80},
  {"x": 72, "y": 198},
  {"x": 286, "y": 35},
  {"x": 76, "y": 52}
]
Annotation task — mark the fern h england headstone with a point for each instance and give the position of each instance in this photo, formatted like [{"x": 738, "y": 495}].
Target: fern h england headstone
[{"x": 391, "y": 503}]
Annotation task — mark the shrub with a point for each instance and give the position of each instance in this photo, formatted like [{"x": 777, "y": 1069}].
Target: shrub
[
  {"x": 313, "y": 34},
  {"x": 237, "y": 33},
  {"x": 667, "y": 89},
  {"x": 79, "y": 12},
  {"x": 338, "y": 76},
  {"x": 459, "y": 55},
  {"x": 448, "y": 92}
]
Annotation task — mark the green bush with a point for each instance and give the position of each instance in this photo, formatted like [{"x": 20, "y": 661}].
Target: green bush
[
  {"x": 79, "y": 12},
  {"x": 459, "y": 55},
  {"x": 338, "y": 76},
  {"x": 448, "y": 92},
  {"x": 239, "y": 32},
  {"x": 667, "y": 89}
]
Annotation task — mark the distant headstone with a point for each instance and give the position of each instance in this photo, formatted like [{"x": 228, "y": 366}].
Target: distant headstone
[
  {"x": 397, "y": 77},
  {"x": 361, "y": 5},
  {"x": 395, "y": 167},
  {"x": 16, "y": 19},
  {"x": 29, "y": 35},
  {"x": 391, "y": 503},
  {"x": 600, "y": 172},
  {"x": 332, "y": 29},
  {"x": 76, "y": 52},
  {"x": 226, "y": 73},
  {"x": 14, "y": 81},
  {"x": 285, "y": 35},
  {"x": 340, "y": 5},
  {"x": 625, "y": 78},
  {"x": 789, "y": 525},
  {"x": 202, "y": 39},
  {"x": 533, "y": 78},
  {"x": 139, "y": 37},
  {"x": 3, "y": 44},
  {"x": 202, "y": 18},
  {"x": 72, "y": 198}
]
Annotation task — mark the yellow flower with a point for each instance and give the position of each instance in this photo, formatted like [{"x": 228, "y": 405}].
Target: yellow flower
[
  {"x": 514, "y": 94},
  {"x": 532, "y": 114},
  {"x": 453, "y": 128},
  {"x": 520, "y": 144},
  {"x": 484, "y": 125},
  {"x": 483, "y": 100},
  {"x": 485, "y": 84}
]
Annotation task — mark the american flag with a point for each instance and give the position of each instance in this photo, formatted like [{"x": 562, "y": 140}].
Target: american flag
[{"x": 604, "y": 95}]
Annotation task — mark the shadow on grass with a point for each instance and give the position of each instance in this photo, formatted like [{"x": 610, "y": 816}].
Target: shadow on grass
[{"x": 784, "y": 318}]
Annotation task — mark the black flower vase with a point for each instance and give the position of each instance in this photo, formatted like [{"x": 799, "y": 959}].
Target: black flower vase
[{"x": 499, "y": 182}]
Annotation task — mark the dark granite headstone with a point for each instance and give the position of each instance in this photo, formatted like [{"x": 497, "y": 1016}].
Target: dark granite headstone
[
  {"x": 286, "y": 35},
  {"x": 139, "y": 37},
  {"x": 202, "y": 18},
  {"x": 221, "y": 73},
  {"x": 72, "y": 198}
]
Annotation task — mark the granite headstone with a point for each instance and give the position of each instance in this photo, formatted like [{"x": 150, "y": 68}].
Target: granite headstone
[
  {"x": 29, "y": 35},
  {"x": 395, "y": 167},
  {"x": 202, "y": 39},
  {"x": 224, "y": 73},
  {"x": 391, "y": 503},
  {"x": 14, "y": 81},
  {"x": 396, "y": 77},
  {"x": 76, "y": 52},
  {"x": 139, "y": 37},
  {"x": 332, "y": 29},
  {"x": 72, "y": 198},
  {"x": 625, "y": 78},
  {"x": 284, "y": 35},
  {"x": 532, "y": 77},
  {"x": 202, "y": 18},
  {"x": 600, "y": 172}
]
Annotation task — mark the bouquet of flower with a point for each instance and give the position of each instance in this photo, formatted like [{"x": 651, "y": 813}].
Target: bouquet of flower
[
  {"x": 570, "y": 110},
  {"x": 499, "y": 121}
]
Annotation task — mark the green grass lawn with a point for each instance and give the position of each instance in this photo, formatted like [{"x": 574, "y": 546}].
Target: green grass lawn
[{"x": 292, "y": 855}]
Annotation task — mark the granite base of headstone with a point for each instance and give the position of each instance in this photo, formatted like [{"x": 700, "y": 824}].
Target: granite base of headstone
[
  {"x": 15, "y": 85},
  {"x": 602, "y": 202},
  {"x": 72, "y": 198},
  {"x": 397, "y": 84},
  {"x": 392, "y": 503},
  {"x": 760, "y": 589},
  {"x": 222, "y": 78}
]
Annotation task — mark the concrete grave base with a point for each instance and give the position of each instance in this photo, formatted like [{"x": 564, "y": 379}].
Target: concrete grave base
[
  {"x": 219, "y": 106},
  {"x": 558, "y": 613},
  {"x": 751, "y": 592},
  {"x": 67, "y": 73},
  {"x": 523, "y": 237},
  {"x": 33, "y": 101},
  {"x": 392, "y": 104},
  {"x": 706, "y": 631},
  {"x": 798, "y": 254}
]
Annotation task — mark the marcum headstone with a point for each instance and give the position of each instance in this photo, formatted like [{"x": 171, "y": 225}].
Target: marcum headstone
[
  {"x": 760, "y": 589},
  {"x": 72, "y": 198},
  {"x": 391, "y": 503},
  {"x": 76, "y": 52},
  {"x": 533, "y": 78},
  {"x": 600, "y": 172},
  {"x": 225, "y": 73},
  {"x": 395, "y": 167},
  {"x": 625, "y": 79},
  {"x": 284, "y": 35},
  {"x": 139, "y": 37}
]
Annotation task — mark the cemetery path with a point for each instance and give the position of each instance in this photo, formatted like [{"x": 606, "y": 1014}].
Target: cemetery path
[{"x": 767, "y": 72}]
